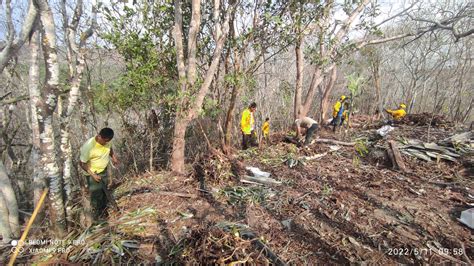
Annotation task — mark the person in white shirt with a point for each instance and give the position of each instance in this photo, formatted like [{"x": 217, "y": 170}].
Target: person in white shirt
[{"x": 309, "y": 124}]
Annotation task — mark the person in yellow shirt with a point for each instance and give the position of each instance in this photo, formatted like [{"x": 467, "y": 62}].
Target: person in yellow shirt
[
  {"x": 266, "y": 130},
  {"x": 399, "y": 113},
  {"x": 247, "y": 125},
  {"x": 94, "y": 159},
  {"x": 339, "y": 112},
  {"x": 337, "y": 106}
]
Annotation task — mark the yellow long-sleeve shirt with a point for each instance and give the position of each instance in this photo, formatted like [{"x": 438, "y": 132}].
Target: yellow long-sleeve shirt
[
  {"x": 336, "y": 108},
  {"x": 397, "y": 114},
  {"x": 247, "y": 122},
  {"x": 266, "y": 128}
]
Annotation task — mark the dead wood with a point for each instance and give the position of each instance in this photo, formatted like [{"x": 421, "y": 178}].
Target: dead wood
[
  {"x": 335, "y": 142},
  {"x": 396, "y": 157}
]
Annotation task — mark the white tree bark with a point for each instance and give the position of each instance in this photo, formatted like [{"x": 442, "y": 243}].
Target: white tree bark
[
  {"x": 76, "y": 60},
  {"x": 5, "y": 230},
  {"x": 47, "y": 104},
  {"x": 8, "y": 199},
  {"x": 34, "y": 93},
  {"x": 14, "y": 44}
]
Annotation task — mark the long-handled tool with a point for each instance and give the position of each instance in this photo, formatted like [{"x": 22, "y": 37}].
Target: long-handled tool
[{"x": 25, "y": 233}]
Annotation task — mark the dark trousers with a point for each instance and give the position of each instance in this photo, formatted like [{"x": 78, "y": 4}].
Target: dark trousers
[
  {"x": 246, "y": 141},
  {"x": 309, "y": 133},
  {"x": 249, "y": 140},
  {"x": 97, "y": 195},
  {"x": 337, "y": 121}
]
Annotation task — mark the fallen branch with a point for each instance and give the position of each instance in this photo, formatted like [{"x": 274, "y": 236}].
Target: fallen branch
[
  {"x": 250, "y": 182},
  {"x": 314, "y": 157},
  {"x": 266, "y": 181},
  {"x": 176, "y": 194},
  {"x": 335, "y": 142}
]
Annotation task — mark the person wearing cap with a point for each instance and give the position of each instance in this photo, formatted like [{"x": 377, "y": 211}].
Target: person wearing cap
[
  {"x": 399, "y": 113},
  {"x": 309, "y": 124},
  {"x": 339, "y": 112},
  {"x": 336, "y": 109},
  {"x": 247, "y": 125}
]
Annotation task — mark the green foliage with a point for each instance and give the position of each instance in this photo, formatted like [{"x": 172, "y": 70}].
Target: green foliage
[
  {"x": 354, "y": 83},
  {"x": 241, "y": 195},
  {"x": 356, "y": 161},
  {"x": 326, "y": 190},
  {"x": 211, "y": 108},
  {"x": 312, "y": 54},
  {"x": 361, "y": 147},
  {"x": 150, "y": 69}
]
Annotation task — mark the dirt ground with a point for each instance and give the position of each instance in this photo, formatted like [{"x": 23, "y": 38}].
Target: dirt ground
[
  {"x": 340, "y": 208},
  {"x": 343, "y": 207}
]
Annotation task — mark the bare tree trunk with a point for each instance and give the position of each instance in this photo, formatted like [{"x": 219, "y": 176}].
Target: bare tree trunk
[
  {"x": 7, "y": 194},
  {"x": 318, "y": 77},
  {"x": 76, "y": 58},
  {"x": 185, "y": 115},
  {"x": 34, "y": 93},
  {"x": 230, "y": 114},
  {"x": 5, "y": 230},
  {"x": 299, "y": 77},
  {"x": 378, "y": 88},
  {"x": 327, "y": 92},
  {"x": 177, "y": 157},
  {"x": 236, "y": 86},
  {"x": 46, "y": 109},
  {"x": 330, "y": 52}
]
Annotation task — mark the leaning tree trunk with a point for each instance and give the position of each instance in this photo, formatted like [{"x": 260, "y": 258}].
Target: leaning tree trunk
[
  {"x": 330, "y": 52},
  {"x": 325, "y": 98},
  {"x": 46, "y": 107},
  {"x": 9, "y": 220},
  {"x": 318, "y": 77}
]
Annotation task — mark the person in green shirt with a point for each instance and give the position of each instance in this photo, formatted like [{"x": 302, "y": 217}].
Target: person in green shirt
[{"x": 94, "y": 159}]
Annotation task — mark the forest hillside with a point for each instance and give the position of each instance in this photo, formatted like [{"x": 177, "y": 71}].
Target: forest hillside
[{"x": 232, "y": 132}]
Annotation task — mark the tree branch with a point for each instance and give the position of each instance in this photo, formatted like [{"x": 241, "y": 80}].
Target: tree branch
[
  {"x": 8, "y": 51},
  {"x": 383, "y": 40},
  {"x": 398, "y": 14},
  {"x": 214, "y": 64}
]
